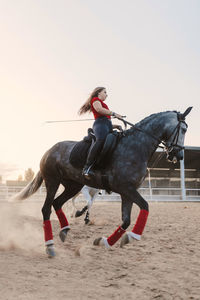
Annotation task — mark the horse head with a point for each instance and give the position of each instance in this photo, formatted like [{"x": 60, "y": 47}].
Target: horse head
[{"x": 175, "y": 141}]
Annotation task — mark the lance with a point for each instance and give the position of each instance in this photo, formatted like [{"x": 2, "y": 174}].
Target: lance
[
  {"x": 65, "y": 121},
  {"x": 76, "y": 120}
]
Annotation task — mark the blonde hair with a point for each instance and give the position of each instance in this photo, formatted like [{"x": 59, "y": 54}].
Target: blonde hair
[{"x": 86, "y": 107}]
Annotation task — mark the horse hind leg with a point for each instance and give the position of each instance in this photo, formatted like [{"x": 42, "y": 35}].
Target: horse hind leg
[
  {"x": 46, "y": 211},
  {"x": 70, "y": 190}
]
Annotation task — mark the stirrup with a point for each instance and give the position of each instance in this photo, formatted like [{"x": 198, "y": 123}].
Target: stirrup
[{"x": 87, "y": 172}]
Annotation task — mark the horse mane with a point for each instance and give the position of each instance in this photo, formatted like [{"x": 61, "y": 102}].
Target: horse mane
[{"x": 146, "y": 120}]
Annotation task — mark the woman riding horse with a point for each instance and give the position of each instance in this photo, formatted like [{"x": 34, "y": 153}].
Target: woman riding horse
[
  {"x": 125, "y": 172},
  {"x": 101, "y": 127}
]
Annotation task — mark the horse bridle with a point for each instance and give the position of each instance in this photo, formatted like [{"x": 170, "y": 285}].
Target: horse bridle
[{"x": 175, "y": 132}]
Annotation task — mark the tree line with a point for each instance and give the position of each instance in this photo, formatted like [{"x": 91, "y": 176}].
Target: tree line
[{"x": 28, "y": 175}]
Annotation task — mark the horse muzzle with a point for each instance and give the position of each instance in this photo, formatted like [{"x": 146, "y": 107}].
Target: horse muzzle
[{"x": 175, "y": 155}]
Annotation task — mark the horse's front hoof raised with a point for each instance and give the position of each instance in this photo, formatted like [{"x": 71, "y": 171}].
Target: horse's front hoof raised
[
  {"x": 124, "y": 240},
  {"x": 50, "y": 251},
  {"x": 63, "y": 234}
]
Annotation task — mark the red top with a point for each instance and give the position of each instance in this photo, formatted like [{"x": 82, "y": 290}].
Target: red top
[{"x": 95, "y": 113}]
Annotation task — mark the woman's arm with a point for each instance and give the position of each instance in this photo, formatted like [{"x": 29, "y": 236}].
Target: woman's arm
[{"x": 103, "y": 111}]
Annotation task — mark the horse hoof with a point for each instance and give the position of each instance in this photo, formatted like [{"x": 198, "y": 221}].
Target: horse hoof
[
  {"x": 102, "y": 242},
  {"x": 86, "y": 221},
  {"x": 124, "y": 240},
  {"x": 97, "y": 242},
  {"x": 50, "y": 251},
  {"x": 63, "y": 234},
  {"x": 78, "y": 214}
]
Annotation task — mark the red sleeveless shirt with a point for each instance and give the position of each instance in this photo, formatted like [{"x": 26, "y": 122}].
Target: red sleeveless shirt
[{"x": 95, "y": 113}]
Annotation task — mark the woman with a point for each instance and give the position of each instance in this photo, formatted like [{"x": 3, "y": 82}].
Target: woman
[{"x": 101, "y": 127}]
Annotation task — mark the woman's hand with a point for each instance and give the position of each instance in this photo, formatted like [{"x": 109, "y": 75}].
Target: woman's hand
[
  {"x": 117, "y": 116},
  {"x": 119, "y": 127}
]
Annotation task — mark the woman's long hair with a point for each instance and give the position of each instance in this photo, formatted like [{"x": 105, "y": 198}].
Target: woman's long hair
[{"x": 86, "y": 107}]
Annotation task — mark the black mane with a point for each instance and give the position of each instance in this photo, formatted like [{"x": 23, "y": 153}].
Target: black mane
[{"x": 146, "y": 120}]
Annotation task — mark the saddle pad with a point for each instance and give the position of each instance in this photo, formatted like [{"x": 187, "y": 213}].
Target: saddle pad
[{"x": 78, "y": 155}]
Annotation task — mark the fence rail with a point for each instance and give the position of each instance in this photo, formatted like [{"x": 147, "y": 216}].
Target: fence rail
[{"x": 151, "y": 194}]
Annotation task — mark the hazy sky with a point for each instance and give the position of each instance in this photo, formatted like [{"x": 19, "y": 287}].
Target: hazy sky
[{"x": 53, "y": 53}]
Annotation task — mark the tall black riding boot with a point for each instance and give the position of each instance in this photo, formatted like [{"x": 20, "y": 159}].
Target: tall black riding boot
[{"x": 92, "y": 157}]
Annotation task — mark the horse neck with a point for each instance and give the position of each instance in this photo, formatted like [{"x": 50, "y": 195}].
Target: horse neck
[{"x": 157, "y": 125}]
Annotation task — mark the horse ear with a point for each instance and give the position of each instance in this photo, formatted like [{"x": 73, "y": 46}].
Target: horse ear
[{"x": 188, "y": 110}]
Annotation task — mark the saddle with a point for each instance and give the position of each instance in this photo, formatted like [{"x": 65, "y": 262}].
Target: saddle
[{"x": 79, "y": 153}]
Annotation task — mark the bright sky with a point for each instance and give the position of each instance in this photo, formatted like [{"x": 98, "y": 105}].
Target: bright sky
[{"x": 54, "y": 53}]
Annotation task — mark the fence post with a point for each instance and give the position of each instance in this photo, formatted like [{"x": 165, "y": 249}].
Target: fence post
[{"x": 182, "y": 170}]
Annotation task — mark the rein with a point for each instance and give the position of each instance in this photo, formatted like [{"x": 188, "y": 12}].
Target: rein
[{"x": 144, "y": 131}]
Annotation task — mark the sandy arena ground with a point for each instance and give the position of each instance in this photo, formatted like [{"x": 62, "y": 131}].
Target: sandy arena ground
[{"x": 165, "y": 264}]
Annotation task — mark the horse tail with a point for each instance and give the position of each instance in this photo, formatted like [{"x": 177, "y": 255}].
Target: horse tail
[{"x": 31, "y": 188}]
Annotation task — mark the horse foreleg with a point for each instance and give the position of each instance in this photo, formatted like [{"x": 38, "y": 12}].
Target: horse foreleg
[
  {"x": 113, "y": 238},
  {"x": 139, "y": 226}
]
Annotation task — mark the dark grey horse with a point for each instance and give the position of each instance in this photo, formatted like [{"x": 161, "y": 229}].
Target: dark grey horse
[{"x": 125, "y": 172}]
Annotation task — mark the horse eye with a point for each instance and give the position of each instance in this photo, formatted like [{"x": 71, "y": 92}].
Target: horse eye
[{"x": 184, "y": 130}]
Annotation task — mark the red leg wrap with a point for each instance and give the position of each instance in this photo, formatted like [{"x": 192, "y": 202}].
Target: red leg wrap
[
  {"x": 62, "y": 218},
  {"x": 113, "y": 238},
  {"x": 141, "y": 222},
  {"x": 48, "y": 235}
]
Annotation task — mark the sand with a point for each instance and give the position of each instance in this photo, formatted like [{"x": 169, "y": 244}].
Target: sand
[{"x": 165, "y": 264}]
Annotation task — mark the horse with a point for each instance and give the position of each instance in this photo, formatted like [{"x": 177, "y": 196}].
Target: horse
[
  {"x": 89, "y": 194},
  {"x": 125, "y": 171}
]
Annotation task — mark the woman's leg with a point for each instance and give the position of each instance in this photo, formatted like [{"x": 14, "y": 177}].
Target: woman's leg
[{"x": 101, "y": 129}]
